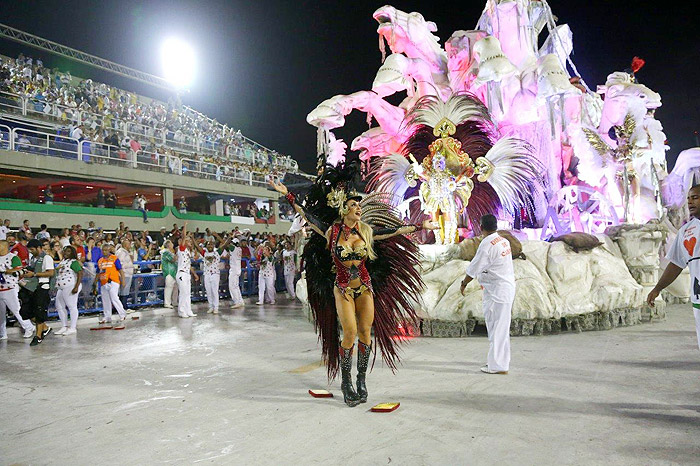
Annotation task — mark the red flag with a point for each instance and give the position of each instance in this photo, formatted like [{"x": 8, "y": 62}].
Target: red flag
[{"x": 637, "y": 64}]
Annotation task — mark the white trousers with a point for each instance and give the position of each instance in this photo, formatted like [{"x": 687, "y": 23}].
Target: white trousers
[
  {"x": 697, "y": 323},
  {"x": 266, "y": 289},
  {"x": 289, "y": 282},
  {"x": 184, "y": 287},
  {"x": 65, "y": 299},
  {"x": 234, "y": 286},
  {"x": 170, "y": 291},
  {"x": 110, "y": 297},
  {"x": 10, "y": 300},
  {"x": 125, "y": 287},
  {"x": 211, "y": 285},
  {"x": 497, "y": 316}
]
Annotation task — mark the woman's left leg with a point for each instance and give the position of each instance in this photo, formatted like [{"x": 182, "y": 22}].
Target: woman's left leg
[{"x": 364, "y": 307}]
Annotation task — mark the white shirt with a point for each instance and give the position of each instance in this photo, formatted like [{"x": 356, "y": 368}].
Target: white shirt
[
  {"x": 493, "y": 266},
  {"x": 685, "y": 251},
  {"x": 127, "y": 261},
  {"x": 46, "y": 265},
  {"x": 234, "y": 260},
  {"x": 210, "y": 263},
  {"x": 3, "y": 232},
  {"x": 66, "y": 277},
  {"x": 289, "y": 263},
  {"x": 64, "y": 241},
  {"x": 184, "y": 260}
]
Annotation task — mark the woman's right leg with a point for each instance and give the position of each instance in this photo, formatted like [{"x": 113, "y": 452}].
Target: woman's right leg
[
  {"x": 346, "y": 314},
  {"x": 61, "y": 308}
]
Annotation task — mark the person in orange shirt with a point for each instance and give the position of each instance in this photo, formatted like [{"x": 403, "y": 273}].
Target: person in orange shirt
[{"x": 111, "y": 275}]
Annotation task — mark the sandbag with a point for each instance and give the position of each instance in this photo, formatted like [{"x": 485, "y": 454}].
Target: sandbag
[{"x": 578, "y": 241}]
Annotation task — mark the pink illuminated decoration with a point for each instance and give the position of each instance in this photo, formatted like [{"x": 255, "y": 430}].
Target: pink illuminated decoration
[{"x": 594, "y": 179}]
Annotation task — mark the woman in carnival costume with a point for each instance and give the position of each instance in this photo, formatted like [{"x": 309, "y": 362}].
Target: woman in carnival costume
[{"x": 360, "y": 269}]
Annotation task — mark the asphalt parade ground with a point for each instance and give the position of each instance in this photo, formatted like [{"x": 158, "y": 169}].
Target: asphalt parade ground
[{"x": 233, "y": 389}]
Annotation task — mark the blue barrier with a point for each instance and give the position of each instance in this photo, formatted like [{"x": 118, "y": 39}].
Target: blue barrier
[{"x": 148, "y": 285}]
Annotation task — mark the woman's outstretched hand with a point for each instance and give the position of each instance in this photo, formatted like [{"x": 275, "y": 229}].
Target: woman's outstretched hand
[
  {"x": 278, "y": 186},
  {"x": 429, "y": 225}
]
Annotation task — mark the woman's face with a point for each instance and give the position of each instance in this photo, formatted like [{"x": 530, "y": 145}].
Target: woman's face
[
  {"x": 354, "y": 210},
  {"x": 68, "y": 252}
]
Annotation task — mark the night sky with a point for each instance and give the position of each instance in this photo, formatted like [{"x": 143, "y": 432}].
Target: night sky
[{"x": 263, "y": 65}]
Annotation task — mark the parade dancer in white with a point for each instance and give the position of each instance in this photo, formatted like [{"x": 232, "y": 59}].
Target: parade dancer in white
[
  {"x": 212, "y": 273},
  {"x": 10, "y": 267},
  {"x": 290, "y": 268},
  {"x": 685, "y": 251},
  {"x": 266, "y": 277},
  {"x": 234, "y": 274},
  {"x": 184, "y": 275},
  {"x": 492, "y": 266},
  {"x": 68, "y": 282}
]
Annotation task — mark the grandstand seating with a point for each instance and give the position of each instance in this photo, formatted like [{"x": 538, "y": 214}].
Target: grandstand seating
[{"x": 174, "y": 138}]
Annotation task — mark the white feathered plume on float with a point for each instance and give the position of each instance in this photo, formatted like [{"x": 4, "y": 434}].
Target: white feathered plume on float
[{"x": 461, "y": 167}]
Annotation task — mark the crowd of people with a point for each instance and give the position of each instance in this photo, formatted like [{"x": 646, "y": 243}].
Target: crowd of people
[
  {"x": 105, "y": 115},
  {"x": 78, "y": 263}
]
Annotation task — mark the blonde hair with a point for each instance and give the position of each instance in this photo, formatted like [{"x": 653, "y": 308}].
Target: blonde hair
[{"x": 366, "y": 233}]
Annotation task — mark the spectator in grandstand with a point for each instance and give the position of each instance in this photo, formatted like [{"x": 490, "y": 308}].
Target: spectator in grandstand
[
  {"x": 169, "y": 265},
  {"x": 211, "y": 261},
  {"x": 100, "y": 201},
  {"x": 48, "y": 195},
  {"x": 38, "y": 283},
  {"x": 111, "y": 276},
  {"x": 93, "y": 253},
  {"x": 68, "y": 283},
  {"x": 23, "y": 143},
  {"x": 290, "y": 268},
  {"x": 43, "y": 233},
  {"x": 182, "y": 205},
  {"x": 25, "y": 227},
  {"x": 125, "y": 254},
  {"x": 78, "y": 133},
  {"x": 4, "y": 229},
  {"x": 55, "y": 251},
  {"x": 111, "y": 200},
  {"x": 227, "y": 209},
  {"x": 140, "y": 202},
  {"x": 185, "y": 273},
  {"x": 10, "y": 268},
  {"x": 266, "y": 277},
  {"x": 18, "y": 246},
  {"x": 64, "y": 238}
]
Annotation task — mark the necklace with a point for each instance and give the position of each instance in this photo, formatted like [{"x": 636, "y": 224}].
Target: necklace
[{"x": 347, "y": 231}]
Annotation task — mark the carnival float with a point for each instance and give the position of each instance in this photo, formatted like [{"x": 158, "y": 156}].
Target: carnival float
[{"x": 492, "y": 121}]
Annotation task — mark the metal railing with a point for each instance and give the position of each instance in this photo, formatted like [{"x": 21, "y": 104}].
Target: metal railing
[
  {"x": 148, "y": 285},
  {"x": 56, "y": 145}
]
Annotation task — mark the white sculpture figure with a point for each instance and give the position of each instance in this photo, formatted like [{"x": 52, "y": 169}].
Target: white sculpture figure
[
  {"x": 531, "y": 94},
  {"x": 411, "y": 34}
]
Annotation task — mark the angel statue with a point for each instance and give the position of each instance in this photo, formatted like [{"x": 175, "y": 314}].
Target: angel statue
[{"x": 621, "y": 158}]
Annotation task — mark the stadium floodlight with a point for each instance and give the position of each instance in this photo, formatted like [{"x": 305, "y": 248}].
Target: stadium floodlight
[{"x": 178, "y": 62}]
